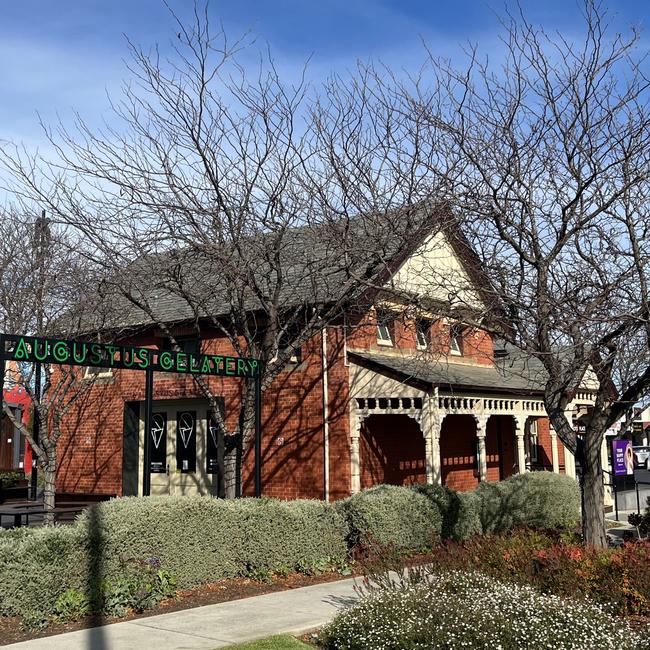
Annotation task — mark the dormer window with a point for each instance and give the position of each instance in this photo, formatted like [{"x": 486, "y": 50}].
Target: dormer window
[
  {"x": 385, "y": 327},
  {"x": 456, "y": 340},
  {"x": 423, "y": 334}
]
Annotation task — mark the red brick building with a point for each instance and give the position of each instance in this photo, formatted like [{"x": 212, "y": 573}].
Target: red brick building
[{"x": 375, "y": 397}]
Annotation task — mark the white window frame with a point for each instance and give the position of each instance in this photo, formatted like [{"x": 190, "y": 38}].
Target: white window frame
[
  {"x": 97, "y": 372},
  {"x": 383, "y": 329},
  {"x": 534, "y": 442},
  {"x": 423, "y": 334},
  {"x": 456, "y": 340}
]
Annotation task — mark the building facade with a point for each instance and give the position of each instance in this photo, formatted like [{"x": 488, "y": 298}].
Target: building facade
[{"x": 381, "y": 396}]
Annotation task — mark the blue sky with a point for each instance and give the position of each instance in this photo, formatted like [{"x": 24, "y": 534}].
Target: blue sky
[{"x": 58, "y": 56}]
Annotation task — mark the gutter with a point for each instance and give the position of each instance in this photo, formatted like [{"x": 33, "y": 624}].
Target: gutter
[{"x": 326, "y": 424}]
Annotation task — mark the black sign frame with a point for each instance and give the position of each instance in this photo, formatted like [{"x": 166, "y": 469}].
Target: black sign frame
[{"x": 65, "y": 352}]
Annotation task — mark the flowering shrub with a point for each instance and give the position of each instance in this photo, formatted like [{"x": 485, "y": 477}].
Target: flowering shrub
[
  {"x": 557, "y": 564},
  {"x": 474, "y": 611}
]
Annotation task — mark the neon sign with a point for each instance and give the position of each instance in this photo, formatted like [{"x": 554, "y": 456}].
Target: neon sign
[{"x": 122, "y": 357}]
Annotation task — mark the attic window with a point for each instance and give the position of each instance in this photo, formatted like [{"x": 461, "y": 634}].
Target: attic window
[
  {"x": 423, "y": 334},
  {"x": 456, "y": 340},
  {"x": 187, "y": 345},
  {"x": 385, "y": 326}
]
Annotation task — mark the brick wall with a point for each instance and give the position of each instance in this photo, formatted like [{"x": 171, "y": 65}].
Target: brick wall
[
  {"x": 90, "y": 458},
  {"x": 392, "y": 451},
  {"x": 458, "y": 452}
]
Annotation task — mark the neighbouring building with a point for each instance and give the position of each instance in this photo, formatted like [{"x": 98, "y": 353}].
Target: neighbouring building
[
  {"x": 375, "y": 397},
  {"x": 15, "y": 453}
]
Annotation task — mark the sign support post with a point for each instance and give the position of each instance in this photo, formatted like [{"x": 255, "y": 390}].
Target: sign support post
[
  {"x": 148, "y": 416},
  {"x": 258, "y": 435},
  {"x": 36, "y": 429},
  {"x": 2, "y": 368}
]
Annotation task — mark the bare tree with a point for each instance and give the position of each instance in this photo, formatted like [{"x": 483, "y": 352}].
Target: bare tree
[
  {"x": 42, "y": 282},
  {"x": 236, "y": 197},
  {"x": 547, "y": 162}
]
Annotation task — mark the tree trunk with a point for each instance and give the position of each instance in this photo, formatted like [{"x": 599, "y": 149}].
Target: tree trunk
[
  {"x": 232, "y": 466},
  {"x": 593, "y": 493},
  {"x": 49, "y": 491}
]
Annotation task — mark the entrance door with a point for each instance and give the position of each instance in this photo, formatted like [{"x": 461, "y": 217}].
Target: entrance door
[
  {"x": 178, "y": 449},
  {"x": 6, "y": 442}
]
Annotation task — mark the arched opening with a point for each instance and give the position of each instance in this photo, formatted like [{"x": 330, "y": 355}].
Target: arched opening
[
  {"x": 458, "y": 448},
  {"x": 501, "y": 447},
  {"x": 392, "y": 451}
]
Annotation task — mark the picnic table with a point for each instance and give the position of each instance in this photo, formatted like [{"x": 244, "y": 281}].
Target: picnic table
[{"x": 26, "y": 510}]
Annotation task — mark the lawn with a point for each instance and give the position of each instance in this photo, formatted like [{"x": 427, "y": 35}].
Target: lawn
[{"x": 282, "y": 642}]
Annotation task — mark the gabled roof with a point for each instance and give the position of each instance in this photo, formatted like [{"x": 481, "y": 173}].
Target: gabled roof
[{"x": 318, "y": 263}]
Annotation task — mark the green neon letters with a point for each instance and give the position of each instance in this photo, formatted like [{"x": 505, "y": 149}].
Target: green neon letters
[
  {"x": 101, "y": 355},
  {"x": 60, "y": 351}
]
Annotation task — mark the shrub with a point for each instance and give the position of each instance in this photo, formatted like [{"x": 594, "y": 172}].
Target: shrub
[
  {"x": 470, "y": 610},
  {"x": 460, "y": 511},
  {"x": 37, "y": 565},
  {"x": 72, "y": 605},
  {"x": 200, "y": 539},
  {"x": 9, "y": 479},
  {"x": 539, "y": 499},
  {"x": 387, "y": 514},
  {"x": 140, "y": 586},
  {"x": 196, "y": 539},
  {"x": 557, "y": 564},
  {"x": 641, "y": 521}
]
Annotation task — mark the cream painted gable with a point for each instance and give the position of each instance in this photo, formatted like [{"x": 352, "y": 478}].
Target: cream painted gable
[{"x": 434, "y": 270}]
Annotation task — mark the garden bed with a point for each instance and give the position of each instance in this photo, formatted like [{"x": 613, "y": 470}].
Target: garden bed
[
  {"x": 12, "y": 629},
  {"x": 131, "y": 554}
]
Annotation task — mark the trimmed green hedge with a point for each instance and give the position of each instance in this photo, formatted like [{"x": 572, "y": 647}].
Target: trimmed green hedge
[
  {"x": 37, "y": 565},
  {"x": 388, "y": 514},
  {"x": 201, "y": 539},
  {"x": 197, "y": 539},
  {"x": 537, "y": 499},
  {"x": 460, "y": 511}
]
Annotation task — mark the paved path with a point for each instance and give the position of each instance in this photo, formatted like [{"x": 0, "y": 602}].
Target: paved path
[{"x": 213, "y": 626}]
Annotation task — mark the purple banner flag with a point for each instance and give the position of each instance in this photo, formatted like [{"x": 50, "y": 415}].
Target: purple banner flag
[{"x": 623, "y": 457}]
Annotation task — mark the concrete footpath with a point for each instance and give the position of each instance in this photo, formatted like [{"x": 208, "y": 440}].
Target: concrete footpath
[{"x": 213, "y": 626}]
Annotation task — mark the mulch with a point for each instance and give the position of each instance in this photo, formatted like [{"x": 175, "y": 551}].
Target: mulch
[{"x": 12, "y": 631}]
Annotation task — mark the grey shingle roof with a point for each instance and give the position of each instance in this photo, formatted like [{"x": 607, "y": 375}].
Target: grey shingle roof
[
  {"x": 316, "y": 263},
  {"x": 514, "y": 373}
]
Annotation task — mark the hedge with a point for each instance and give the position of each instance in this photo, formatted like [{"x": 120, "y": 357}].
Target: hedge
[
  {"x": 37, "y": 565},
  {"x": 388, "y": 514},
  {"x": 202, "y": 539},
  {"x": 460, "y": 511},
  {"x": 537, "y": 499},
  {"x": 197, "y": 539}
]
